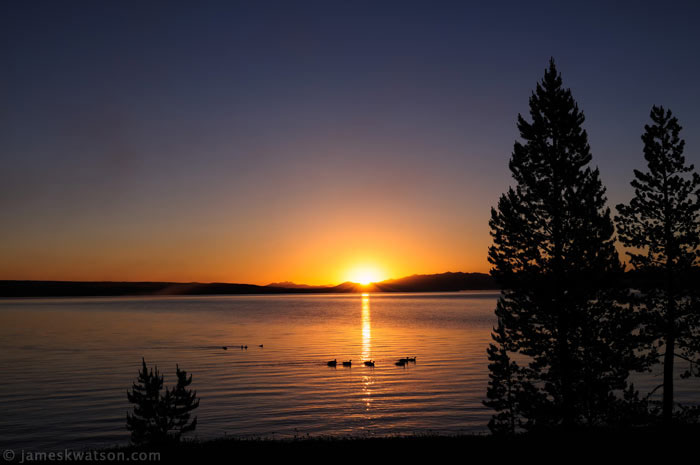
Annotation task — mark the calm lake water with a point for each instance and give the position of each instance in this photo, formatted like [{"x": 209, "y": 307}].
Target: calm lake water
[{"x": 66, "y": 364}]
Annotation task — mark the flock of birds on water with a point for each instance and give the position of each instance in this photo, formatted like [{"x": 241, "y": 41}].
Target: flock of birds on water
[
  {"x": 402, "y": 362},
  {"x": 242, "y": 347}
]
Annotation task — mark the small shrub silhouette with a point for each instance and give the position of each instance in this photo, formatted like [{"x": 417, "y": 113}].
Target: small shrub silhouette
[{"x": 160, "y": 418}]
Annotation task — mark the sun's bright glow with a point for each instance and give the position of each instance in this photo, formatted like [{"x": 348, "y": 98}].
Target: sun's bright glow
[{"x": 366, "y": 275}]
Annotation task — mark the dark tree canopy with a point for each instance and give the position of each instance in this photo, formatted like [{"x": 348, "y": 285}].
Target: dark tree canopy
[
  {"x": 562, "y": 345},
  {"x": 661, "y": 225},
  {"x": 663, "y": 218},
  {"x": 557, "y": 197},
  {"x": 158, "y": 418}
]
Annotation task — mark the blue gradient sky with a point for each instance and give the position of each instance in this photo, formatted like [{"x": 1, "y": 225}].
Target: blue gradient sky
[{"x": 266, "y": 141}]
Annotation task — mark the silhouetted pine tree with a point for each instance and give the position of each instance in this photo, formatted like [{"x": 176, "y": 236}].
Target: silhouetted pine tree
[
  {"x": 145, "y": 422},
  {"x": 553, "y": 254},
  {"x": 662, "y": 226},
  {"x": 160, "y": 418},
  {"x": 184, "y": 401}
]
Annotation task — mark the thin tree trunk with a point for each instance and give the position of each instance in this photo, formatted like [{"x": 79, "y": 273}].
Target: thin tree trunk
[
  {"x": 669, "y": 357},
  {"x": 564, "y": 359},
  {"x": 668, "y": 378},
  {"x": 562, "y": 310}
]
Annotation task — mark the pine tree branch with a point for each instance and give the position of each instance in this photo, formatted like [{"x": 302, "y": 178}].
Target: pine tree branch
[
  {"x": 694, "y": 362},
  {"x": 653, "y": 391}
]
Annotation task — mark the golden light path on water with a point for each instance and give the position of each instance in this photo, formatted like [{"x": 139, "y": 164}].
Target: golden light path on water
[
  {"x": 367, "y": 380},
  {"x": 366, "y": 329}
]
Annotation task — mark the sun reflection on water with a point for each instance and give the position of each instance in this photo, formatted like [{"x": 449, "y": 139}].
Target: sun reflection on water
[
  {"x": 366, "y": 329},
  {"x": 367, "y": 381}
]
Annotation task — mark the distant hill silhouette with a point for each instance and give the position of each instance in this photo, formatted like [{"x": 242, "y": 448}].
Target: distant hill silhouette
[
  {"x": 443, "y": 282},
  {"x": 417, "y": 283},
  {"x": 291, "y": 285}
]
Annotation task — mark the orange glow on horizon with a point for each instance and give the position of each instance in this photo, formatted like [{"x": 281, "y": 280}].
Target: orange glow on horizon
[
  {"x": 366, "y": 274},
  {"x": 303, "y": 247}
]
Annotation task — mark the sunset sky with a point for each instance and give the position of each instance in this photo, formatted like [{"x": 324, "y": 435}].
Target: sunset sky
[{"x": 269, "y": 141}]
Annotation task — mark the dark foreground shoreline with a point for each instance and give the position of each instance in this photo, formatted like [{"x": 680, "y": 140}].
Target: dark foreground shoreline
[{"x": 600, "y": 444}]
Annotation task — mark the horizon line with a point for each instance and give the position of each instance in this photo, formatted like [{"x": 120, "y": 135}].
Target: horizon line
[{"x": 271, "y": 284}]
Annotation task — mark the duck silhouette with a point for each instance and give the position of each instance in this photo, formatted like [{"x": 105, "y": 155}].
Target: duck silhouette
[
  {"x": 348, "y": 363},
  {"x": 225, "y": 348},
  {"x": 332, "y": 363},
  {"x": 369, "y": 363},
  {"x": 402, "y": 362}
]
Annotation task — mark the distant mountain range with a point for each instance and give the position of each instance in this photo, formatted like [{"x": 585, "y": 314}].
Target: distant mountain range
[
  {"x": 443, "y": 282},
  {"x": 291, "y": 285}
]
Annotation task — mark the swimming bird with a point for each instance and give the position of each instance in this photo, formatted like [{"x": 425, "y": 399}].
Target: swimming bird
[
  {"x": 332, "y": 363},
  {"x": 348, "y": 363},
  {"x": 369, "y": 363},
  {"x": 225, "y": 348},
  {"x": 245, "y": 347},
  {"x": 404, "y": 360},
  {"x": 401, "y": 363},
  {"x": 260, "y": 345},
  {"x": 411, "y": 359}
]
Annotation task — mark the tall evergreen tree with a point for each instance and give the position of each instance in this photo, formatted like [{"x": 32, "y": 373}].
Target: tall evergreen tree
[
  {"x": 661, "y": 225},
  {"x": 553, "y": 254}
]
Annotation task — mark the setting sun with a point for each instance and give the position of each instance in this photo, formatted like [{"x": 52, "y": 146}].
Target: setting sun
[{"x": 366, "y": 275}]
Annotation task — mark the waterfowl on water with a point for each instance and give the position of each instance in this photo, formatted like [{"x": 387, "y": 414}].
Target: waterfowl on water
[
  {"x": 332, "y": 363},
  {"x": 260, "y": 345},
  {"x": 225, "y": 348},
  {"x": 401, "y": 363},
  {"x": 411, "y": 359},
  {"x": 245, "y": 347},
  {"x": 369, "y": 363},
  {"x": 348, "y": 363}
]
